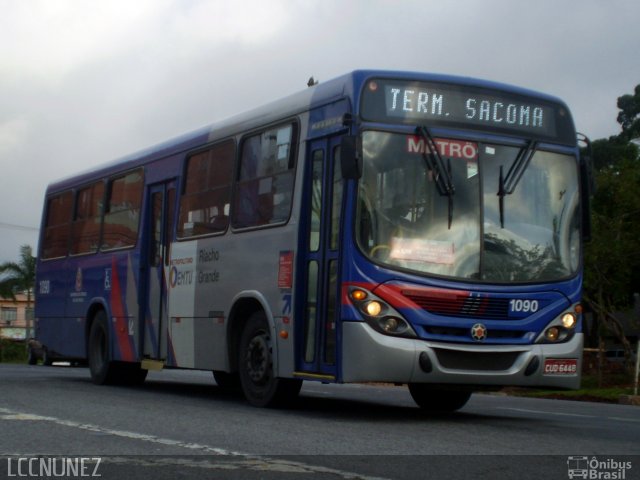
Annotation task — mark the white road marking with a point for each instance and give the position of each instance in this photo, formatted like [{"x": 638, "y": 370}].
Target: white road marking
[
  {"x": 542, "y": 412},
  {"x": 562, "y": 414},
  {"x": 237, "y": 460}
]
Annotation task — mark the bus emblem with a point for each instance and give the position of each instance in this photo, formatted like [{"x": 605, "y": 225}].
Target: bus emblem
[{"x": 479, "y": 332}]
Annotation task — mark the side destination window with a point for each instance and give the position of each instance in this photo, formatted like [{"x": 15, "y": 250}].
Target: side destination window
[
  {"x": 204, "y": 206},
  {"x": 122, "y": 215},
  {"x": 265, "y": 179},
  {"x": 87, "y": 219},
  {"x": 57, "y": 229}
]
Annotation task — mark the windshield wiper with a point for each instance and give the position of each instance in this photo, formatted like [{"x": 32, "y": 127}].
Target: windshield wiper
[
  {"x": 441, "y": 172},
  {"x": 508, "y": 184}
]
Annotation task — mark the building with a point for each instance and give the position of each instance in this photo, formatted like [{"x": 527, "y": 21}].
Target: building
[{"x": 16, "y": 317}]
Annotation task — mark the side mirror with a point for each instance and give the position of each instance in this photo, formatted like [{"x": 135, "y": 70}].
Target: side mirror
[{"x": 350, "y": 158}]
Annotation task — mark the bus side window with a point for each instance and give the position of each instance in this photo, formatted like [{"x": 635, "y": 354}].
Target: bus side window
[
  {"x": 204, "y": 206},
  {"x": 265, "y": 184},
  {"x": 57, "y": 230},
  {"x": 87, "y": 219},
  {"x": 122, "y": 217}
]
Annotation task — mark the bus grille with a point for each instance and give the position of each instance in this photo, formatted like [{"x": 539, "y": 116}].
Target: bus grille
[
  {"x": 477, "y": 361},
  {"x": 465, "y": 306}
]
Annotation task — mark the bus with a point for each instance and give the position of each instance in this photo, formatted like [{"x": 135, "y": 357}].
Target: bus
[{"x": 384, "y": 226}]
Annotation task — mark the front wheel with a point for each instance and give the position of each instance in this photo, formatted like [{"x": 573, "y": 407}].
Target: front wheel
[
  {"x": 259, "y": 384},
  {"x": 441, "y": 400}
]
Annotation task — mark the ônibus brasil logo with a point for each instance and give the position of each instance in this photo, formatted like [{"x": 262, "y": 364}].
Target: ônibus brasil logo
[{"x": 595, "y": 469}]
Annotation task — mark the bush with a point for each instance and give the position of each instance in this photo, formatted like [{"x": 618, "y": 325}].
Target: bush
[{"x": 13, "y": 351}]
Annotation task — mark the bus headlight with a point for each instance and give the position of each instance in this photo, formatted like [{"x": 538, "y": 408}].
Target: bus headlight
[
  {"x": 389, "y": 324},
  {"x": 379, "y": 314},
  {"x": 552, "y": 334},
  {"x": 373, "y": 308},
  {"x": 395, "y": 326},
  {"x": 562, "y": 328},
  {"x": 569, "y": 320}
]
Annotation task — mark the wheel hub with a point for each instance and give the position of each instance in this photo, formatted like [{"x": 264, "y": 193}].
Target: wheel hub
[{"x": 258, "y": 359}]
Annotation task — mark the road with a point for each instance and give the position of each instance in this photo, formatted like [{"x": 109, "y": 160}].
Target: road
[{"x": 181, "y": 425}]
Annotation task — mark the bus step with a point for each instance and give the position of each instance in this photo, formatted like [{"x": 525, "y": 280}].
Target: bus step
[{"x": 149, "y": 364}]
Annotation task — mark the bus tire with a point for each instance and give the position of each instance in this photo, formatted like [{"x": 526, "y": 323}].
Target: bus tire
[
  {"x": 255, "y": 364},
  {"x": 441, "y": 400},
  {"x": 103, "y": 370}
]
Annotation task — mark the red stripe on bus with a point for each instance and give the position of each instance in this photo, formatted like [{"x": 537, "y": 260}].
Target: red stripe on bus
[
  {"x": 396, "y": 294},
  {"x": 118, "y": 311},
  {"x": 404, "y": 296}
]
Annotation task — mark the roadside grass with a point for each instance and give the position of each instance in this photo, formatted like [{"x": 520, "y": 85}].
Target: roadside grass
[
  {"x": 613, "y": 386},
  {"x": 12, "y": 351}
]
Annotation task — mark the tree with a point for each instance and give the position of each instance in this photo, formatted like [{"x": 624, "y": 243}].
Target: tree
[
  {"x": 612, "y": 258},
  {"x": 629, "y": 116},
  {"x": 19, "y": 277},
  {"x": 612, "y": 151}
]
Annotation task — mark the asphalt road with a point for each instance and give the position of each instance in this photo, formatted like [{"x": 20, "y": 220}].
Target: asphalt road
[{"x": 181, "y": 425}]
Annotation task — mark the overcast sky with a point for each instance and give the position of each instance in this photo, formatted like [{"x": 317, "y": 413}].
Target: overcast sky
[{"x": 83, "y": 82}]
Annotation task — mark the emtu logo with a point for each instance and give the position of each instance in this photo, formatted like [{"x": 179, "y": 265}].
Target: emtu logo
[{"x": 178, "y": 278}]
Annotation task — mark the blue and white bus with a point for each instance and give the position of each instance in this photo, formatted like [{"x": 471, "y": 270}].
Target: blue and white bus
[{"x": 383, "y": 226}]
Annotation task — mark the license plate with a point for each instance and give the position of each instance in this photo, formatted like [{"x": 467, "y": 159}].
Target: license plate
[{"x": 561, "y": 366}]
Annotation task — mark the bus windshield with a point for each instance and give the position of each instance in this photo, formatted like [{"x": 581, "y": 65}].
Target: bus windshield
[{"x": 405, "y": 221}]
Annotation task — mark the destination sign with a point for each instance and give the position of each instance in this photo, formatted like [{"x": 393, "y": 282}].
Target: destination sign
[{"x": 466, "y": 107}]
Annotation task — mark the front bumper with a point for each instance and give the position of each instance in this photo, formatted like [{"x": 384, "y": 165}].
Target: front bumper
[{"x": 369, "y": 356}]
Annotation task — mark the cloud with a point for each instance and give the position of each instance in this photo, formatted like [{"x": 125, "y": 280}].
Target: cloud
[
  {"x": 13, "y": 135},
  {"x": 245, "y": 22},
  {"x": 49, "y": 39},
  {"x": 82, "y": 83}
]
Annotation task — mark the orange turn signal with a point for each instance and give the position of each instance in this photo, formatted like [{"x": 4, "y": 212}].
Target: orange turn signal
[{"x": 358, "y": 295}]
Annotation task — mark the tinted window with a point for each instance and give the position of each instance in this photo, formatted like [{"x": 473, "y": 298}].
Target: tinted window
[
  {"x": 87, "y": 219},
  {"x": 265, "y": 181},
  {"x": 57, "y": 228},
  {"x": 122, "y": 215},
  {"x": 204, "y": 206}
]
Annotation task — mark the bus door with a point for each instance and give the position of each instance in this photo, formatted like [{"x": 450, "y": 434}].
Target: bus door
[
  {"x": 160, "y": 217},
  {"x": 319, "y": 310}
]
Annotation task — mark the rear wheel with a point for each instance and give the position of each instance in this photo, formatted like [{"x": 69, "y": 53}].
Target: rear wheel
[
  {"x": 103, "y": 370},
  {"x": 435, "y": 399},
  {"x": 255, "y": 362}
]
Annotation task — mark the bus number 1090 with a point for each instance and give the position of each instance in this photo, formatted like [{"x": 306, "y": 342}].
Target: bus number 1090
[{"x": 523, "y": 306}]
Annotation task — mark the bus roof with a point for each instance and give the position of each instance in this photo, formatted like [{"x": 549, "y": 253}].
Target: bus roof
[{"x": 347, "y": 85}]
